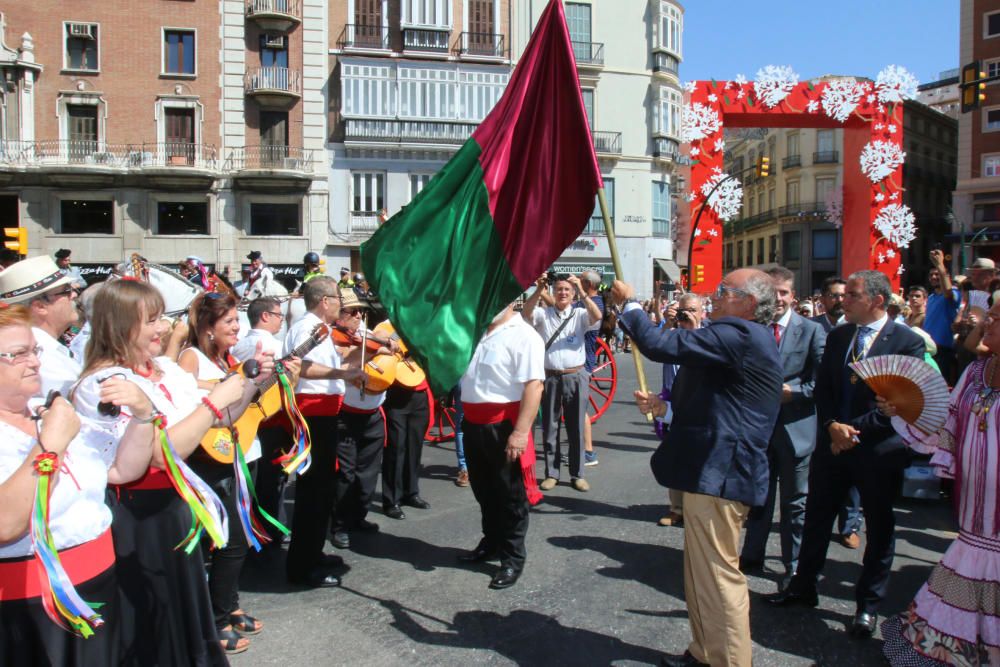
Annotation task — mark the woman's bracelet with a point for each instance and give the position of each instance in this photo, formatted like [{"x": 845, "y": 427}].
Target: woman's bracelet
[
  {"x": 211, "y": 406},
  {"x": 152, "y": 417}
]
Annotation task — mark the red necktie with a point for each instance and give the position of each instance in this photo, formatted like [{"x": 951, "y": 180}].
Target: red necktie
[{"x": 777, "y": 333}]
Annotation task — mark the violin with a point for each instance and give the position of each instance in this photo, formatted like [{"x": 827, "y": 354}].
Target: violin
[
  {"x": 380, "y": 369},
  {"x": 408, "y": 373},
  {"x": 344, "y": 337}
]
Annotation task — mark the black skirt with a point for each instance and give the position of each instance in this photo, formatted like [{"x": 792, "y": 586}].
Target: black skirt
[
  {"x": 166, "y": 616},
  {"x": 29, "y": 638}
]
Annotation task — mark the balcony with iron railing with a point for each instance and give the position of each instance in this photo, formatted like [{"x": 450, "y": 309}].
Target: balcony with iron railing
[
  {"x": 666, "y": 63},
  {"x": 589, "y": 54},
  {"x": 481, "y": 45},
  {"x": 273, "y": 86},
  {"x": 270, "y": 158},
  {"x": 363, "y": 223},
  {"x": 377, "y": 130},
  {"x": 826, "y": 157},
  {"x": 802, "y": 209},
  {"x": 426, "y": 40},
  {"x": 595, "y": 226},
  {"x": 666, "y": 148},
  {"x": 274, "y": 15},
  {"x": 364, "y": 38},
  {"x": 607, "y": 143},
  {"x": 791, "y": 161},
  {"x": 92, "y": 154}
]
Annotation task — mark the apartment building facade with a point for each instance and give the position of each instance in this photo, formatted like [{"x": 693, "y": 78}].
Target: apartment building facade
[
  {"x": 409, "y": 82},
  {"x": 628, "y": 57},
  {"x": 168, "y": 128},
  {"x": 791, "y": 216},
  {"x": 976, "y": 224}
]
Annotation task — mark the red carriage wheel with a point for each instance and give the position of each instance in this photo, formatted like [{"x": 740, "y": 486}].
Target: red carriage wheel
[
  {"x": 603, "y": 382},
  {"x": 442, "y": 426}
]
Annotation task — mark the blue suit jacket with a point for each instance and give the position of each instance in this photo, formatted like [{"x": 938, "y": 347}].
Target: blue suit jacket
[
  {"x": 725, "y": 398},
  {"x": 801, "y": 351}
]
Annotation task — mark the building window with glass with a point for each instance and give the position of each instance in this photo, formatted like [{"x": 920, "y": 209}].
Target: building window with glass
[
  {"x": 739, "y": 254},
  {"x": 772, "y": 253},
  {"x": 667, "y": 119},
  {"x": 418, "y": 182},
  {"x": 178, "y": 52},
  {"x": 824, "y": 244},
  {"x": 82, "y": 47},
  {"x": 87, "y": 216},
  {"x": 578, "y": 22},
  {"x": 181, "y": 218},
  {"x": 596, "y": 224},
  {"x": 670, "y": 28},
  {"x": 991, "y": 165},
  {"x": 760, "y": 251},
  {"x": 274, "y": 219},
  {"x": 791, "y": 246},
  {"x": 661, "y": 209}
]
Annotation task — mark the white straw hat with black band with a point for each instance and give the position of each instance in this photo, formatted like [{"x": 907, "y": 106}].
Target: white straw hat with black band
[{"x": 30, "y": 278}]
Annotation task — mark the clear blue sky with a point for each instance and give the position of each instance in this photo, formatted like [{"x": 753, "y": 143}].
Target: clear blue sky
[{"x": 723, "y": 38}]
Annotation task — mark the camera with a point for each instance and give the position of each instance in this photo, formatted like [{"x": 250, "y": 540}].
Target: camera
[
  {"x": 552, "y": 277},
  {"x": 683, "y": 316}
]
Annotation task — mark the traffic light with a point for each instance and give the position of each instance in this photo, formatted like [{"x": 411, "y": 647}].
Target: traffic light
[
  {"x": 17, "y": 239},
  {"x": 763, "y": 166},
  {"x": 699, "y": 273},
  {"x": 973, "y": 86}
]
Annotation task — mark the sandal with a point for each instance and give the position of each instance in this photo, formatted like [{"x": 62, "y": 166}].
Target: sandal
[
  {"x": 231, "y": 641},
  {"x": 245, "y": 623}
]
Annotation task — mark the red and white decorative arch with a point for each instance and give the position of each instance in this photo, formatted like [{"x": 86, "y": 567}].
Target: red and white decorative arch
[{"x": 876, "y": 223}]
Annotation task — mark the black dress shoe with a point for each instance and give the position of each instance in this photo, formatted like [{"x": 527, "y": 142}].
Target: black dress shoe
[
  {"x": 366, "y": 526},
  {"x": 416, "y": 501},
  {"x": 317, "y": 578},
  {"x": 332, "y": 560},
  {"x": 477, "y": 555},
  {"x": 505, "y": 577},
  {"x": 792, "y": 597},
  {"x": 341, "y": 539},
  {"x": 686, "y": 660},
  {"x": 394, "y": 512},
  {"x": 863, "y": 625},
  {"x": 749, "y": 566}
]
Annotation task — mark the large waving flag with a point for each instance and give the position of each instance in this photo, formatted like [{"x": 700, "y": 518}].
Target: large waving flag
[{"x": 513, "y": 197}]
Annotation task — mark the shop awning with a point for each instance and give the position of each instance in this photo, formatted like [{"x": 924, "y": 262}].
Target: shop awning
[{"x": 669, "y": 267}]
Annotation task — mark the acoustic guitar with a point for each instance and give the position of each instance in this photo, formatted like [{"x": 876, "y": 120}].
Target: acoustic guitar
[
  {"x": 408, "y": 373},
  {"x": 218, "y": 442}
]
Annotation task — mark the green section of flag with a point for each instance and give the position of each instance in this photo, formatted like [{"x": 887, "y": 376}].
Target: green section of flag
[{"x": 439, "y": 269}]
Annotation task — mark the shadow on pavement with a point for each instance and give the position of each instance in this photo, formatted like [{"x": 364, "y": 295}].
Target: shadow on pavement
[
  {"x": 657, "y": 566},
  {"x": 587, "y": 507}
]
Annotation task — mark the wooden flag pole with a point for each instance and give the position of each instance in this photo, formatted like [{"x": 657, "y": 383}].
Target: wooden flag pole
[{"x": 616, "y": 262}]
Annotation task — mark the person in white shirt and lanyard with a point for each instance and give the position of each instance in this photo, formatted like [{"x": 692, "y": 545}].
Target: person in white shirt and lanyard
[
  {"x": 51, "y": 297},
  {"x": 319, "y": 395},
  {"x": 266, "y": 319},
  {"x": 567, "y": 382},
  {"x": 501, "y": 391}
]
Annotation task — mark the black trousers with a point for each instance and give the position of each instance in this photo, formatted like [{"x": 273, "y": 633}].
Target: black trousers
[
  {"x": 498, "y": 486},
  {"x": 830, "y": 479},
  {"x": 359, "y": 458},
  {"x": 227, "y": 562},
  {"x": 271, "y": 480},
  {"x": 407, "y": 416},
  {"x": 314, "y": 496}
]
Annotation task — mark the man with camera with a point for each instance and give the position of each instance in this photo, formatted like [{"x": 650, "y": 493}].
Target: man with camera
[{"x": 567, "y": 382}]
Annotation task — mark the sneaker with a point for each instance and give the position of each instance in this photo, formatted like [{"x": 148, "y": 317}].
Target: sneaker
[
  {"x": 851, "y": 541},
  {"x": 581, "y": 484},
  {"x": 590, "y": 459},
  {"x": 548, "y": 484},
  {"x": 463, "y": 478}
]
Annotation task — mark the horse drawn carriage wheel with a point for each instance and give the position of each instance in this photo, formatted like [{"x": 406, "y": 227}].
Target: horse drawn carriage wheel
[
  {"x": 603, "y": 382},
  {"x": 442, "y": 426}
]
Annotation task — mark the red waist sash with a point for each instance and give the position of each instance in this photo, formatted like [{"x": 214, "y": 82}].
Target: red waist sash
[
  {"x": 358, "y": 411},
  {"x": 19, "y": 577},
  {"x": 154, "y": 479},
  {"x": 319, "y": 405},
  {"x": 493, "y": 413}
]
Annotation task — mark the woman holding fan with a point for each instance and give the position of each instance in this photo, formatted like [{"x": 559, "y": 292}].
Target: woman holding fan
[
  {"x": 166, "y": 614},
  {"x": 53, "y": 476},
  {"x": 955, "y": 617}
]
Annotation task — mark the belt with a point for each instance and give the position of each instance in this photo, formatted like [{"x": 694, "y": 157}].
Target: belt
[
  {"x": 20, "y": 578},
  {"x": 552, "y": 372}
]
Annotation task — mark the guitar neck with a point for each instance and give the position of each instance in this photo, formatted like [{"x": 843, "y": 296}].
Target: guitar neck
[{"x": 302, "y": 350}]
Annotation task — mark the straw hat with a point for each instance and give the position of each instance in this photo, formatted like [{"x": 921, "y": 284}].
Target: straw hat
[{"x": 30, "y": 278}]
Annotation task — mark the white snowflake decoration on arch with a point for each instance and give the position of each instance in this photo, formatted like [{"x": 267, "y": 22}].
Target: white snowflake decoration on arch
[
  {"x": 728, "y": 199},
  {"x": 879, "y": 159},
  {"x": 774, "y": 83},
  {"x": 897, "y": 225},
  {"x": 895, "y": 84},
  {"x": 699, "y": 122},
  {"x": 841, "y": 97}
]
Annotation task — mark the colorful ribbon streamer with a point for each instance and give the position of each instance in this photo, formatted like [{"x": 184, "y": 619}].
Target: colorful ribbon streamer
[
  {"x": 61, "y": 601},
  {"x": 207, "y": 512},
  {"x": 246, "y": 502},
  {"x": 298, "y": 459}
]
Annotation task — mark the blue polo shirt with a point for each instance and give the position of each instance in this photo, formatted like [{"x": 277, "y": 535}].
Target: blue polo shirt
[{"x": 940, "y": 314}]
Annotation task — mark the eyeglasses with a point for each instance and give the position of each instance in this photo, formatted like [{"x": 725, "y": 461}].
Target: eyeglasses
[
  {"x": 276, "y": 314},
  {"x": 723, "y": 289},
  {"x": 331, "y": 296},
  {"x": 352, "y": 312},
  {"x": 687, "y": 310},
  {"x": 70, "y": 292},
  {"x": 22, "y": 357},
  {"x": 838, "y": 297}
]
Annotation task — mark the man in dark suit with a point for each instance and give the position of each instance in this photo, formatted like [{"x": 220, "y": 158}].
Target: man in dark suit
[
  {"x": 849, "y": 517},
  {"x": 725, "y": 401},
  {"x": 800, "y": 345},
  {"x": 855, "y": 445}
]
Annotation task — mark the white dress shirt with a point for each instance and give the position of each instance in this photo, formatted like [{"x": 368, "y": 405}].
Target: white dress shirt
[
  {"x": 567, "y": 350},
  {"x": 505, "y": 359},
  {"x": 325, "y": 353},
  {"x": 59, "y": 369},
  {"x": 246, "y": 347}
]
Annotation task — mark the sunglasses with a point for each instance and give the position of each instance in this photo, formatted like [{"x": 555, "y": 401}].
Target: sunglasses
[
  {"x": 352, "y": 312},
  {"x": 69, "y": 291}
]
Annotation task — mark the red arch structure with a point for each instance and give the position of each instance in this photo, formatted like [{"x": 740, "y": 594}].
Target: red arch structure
[{"x": 876, "y": 223}]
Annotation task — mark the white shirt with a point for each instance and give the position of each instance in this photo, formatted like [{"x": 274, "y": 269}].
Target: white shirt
[
  {"x": 246, "y": 347},
  {"x": 325, "y": 353},
  {"x": 783, "y": 322},
  {"x": 567, "y": 350},
  {"x": 77, "y": 512},
  {"x": 505, "y": 359},
  {"x": 78, "y": 345},
  {"x": 874, "y": 329},
  {"x": 59, "y": 369}
]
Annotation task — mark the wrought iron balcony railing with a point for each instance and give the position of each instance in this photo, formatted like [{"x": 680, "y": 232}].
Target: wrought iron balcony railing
[
  {"x": 360, "y": 36},
  {"x": 426, "y": 40},
  {"x": 588, "y": 53},
  {"x": 284, "y": 158},
  {"x": 407, "y": 131},
  {"x": 608, "y": 142},
  {"x": 483, "y": 44},
  {"x": 826, "y": 157},
  {"x": 664, "y": 62},
  {"x": 91, "y": 153},
  {"x": 290, "y": 8},
  {"x": 273, "y": 79},
  {"x": 791, "y": 161}
]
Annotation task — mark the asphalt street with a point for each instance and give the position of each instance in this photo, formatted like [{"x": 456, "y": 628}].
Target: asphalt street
[{"x": 603, "y": 583}]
